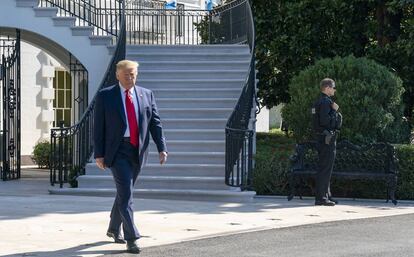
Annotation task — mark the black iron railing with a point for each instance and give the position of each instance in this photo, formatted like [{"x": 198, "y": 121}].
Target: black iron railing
[
  {"x": 79, "y": 84},
  {"x": 10, "y": 112},
  {"x": 164, "y": 27},
  {"x": 239, "y": 128},
  {"x": 71, "y": 147},
  {"x": 224, "y": 25},
  {"x": 101, "y": 15},
  {"x": 144, "y": 4}
]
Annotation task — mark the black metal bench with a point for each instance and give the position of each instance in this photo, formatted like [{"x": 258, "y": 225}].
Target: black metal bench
[{"x": 374, "y": 161}]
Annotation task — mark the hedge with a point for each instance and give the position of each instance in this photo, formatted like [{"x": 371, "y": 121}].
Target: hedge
[
  {"x": 368, "y": 94},
  {"x": 272, "y": 166}
]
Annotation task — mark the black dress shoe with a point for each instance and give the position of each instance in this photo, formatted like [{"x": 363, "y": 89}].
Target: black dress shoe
[
  {"x": 325, "y": 203},
  {"x": 333, "y": 200},
  {"x": 132, "y": 247},
  {"x": 117, "y": 238}
]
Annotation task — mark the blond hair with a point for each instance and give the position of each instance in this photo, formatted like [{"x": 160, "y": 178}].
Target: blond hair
[{"x": 126, "y": 64}]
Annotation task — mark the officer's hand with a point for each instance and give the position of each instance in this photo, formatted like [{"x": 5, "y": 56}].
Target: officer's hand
[
  {"x": 163, "y": 157},
  {"x": 335, "y": 106},
  {"x": 100, "y": 163}
]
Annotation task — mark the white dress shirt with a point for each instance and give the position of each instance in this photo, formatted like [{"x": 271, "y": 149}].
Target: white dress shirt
[{"x": 132, "y": 93}]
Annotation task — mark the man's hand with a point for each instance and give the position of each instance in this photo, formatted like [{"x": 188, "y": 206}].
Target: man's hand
[
  {"x": 163, "y": 157},
  {"x": 335, "y": 106},
  {"x": 100, "y": 163}
]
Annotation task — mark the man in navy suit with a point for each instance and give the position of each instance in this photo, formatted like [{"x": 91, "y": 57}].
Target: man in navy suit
[{"x": 125, "y": 116}]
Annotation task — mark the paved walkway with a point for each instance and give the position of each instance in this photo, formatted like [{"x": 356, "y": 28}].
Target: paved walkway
[
  {"x": 375, "y": 237},
  {"x": 34, "y": 223}
]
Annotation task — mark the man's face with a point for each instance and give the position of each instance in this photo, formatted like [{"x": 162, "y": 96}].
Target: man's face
[
  {"x": 331, "y": 90},
  {"x": 127, "y": 77}
]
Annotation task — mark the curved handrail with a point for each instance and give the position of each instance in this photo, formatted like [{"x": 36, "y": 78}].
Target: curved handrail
[
  {"x": 100, "y": 15},
  {"x": 71, "y": 147},
  {"x": 239, "y": 137}
]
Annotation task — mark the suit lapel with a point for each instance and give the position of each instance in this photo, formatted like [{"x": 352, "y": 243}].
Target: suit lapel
[
  {"x": 118, "y": 102},
  {"x": 139, "y": 98}
]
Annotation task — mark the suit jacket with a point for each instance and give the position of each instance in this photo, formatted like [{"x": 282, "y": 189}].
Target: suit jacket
[{"x": 110, "y": 123}]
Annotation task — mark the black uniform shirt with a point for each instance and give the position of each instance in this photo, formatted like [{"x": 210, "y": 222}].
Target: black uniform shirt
[{"x": 325, "y": 117}]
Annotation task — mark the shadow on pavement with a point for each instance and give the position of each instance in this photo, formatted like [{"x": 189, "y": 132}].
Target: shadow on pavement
[
  {"x": 77, "y": 251},
  {"x": 23, "y": 200}
]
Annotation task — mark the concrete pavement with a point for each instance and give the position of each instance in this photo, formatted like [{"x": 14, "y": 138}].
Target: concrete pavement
[
  {"x": 391, "y": 236},
  {"x": 34, "y": 223}
]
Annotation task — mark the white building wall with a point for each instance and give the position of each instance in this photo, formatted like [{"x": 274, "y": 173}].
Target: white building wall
[
  {"x": 262, "y": 120},
  {"x": 275, "y": 116},
  {"x": 192, "y": 4},
  {"x": 269, "y": 118},
  {"x": 33, "y": 129}
]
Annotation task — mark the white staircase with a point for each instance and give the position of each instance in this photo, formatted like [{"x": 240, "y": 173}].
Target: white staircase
[
  {"x": 196, "y": 89},
  {"x": 56, "y": 35}
]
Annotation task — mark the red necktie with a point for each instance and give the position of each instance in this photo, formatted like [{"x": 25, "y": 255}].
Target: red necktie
[{"x": 132, "y": 119}]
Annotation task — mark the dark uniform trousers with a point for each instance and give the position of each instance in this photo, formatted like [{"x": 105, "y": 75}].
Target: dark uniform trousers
[
  {"x": 326, "y": 162},
  {"x": 125, "y": 169}
]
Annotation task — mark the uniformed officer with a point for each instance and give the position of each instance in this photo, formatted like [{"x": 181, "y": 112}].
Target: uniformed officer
[{"x": 326, "y": 121}]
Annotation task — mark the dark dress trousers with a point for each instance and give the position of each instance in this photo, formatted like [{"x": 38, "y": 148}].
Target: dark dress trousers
[{"x": 125, "y": 160}]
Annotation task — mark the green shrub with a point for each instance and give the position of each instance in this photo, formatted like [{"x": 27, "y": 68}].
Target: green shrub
[
  {"x": 368, "y": 94},
  {"x": 212, "y": 29},
  {"x": 41, "y": 154},
  {"x": 272, "y": 163},
  {"x": 272, "y": 167},
  {"x": 405, "y": 155},
  {"x": 74, "y": 173}
]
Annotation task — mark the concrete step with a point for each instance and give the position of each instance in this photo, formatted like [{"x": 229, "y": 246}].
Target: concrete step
[
  {"x": 194, "y": 123},
  {"x": 179, "y": 49},
  {"x": 64, "y": 21},
  {"x": 157, "y": 182},
  {"x": 26, "y": 3},
  {"x": 188, "y": 170},
  {"x": 82, "y": 31},
  {"x": 216, "y": 93},
  {"x": 101, "y": 40},
  {"x": 187, "y": 113},
  {"x": 160, "y": 56},
  {"x": 193, "y": 145},
  {"x": 155, "y": 83},
  {"x": 189, "y": 157},
  {"x": 198, "y": 102},
  {"x": 45, "y": 11},
  {"x": 192, "y": 74},
  {"x": 194, "y": 134},
  {"x": 193, "y": 65},
  {"x": 231, "y": 195}
]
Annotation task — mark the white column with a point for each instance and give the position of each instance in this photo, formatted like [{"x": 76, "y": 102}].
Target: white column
[{"x": 48, "y": 94}]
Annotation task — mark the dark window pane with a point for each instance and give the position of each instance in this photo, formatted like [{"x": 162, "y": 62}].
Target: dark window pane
[
  {"x": 68, "y": 103},
  {"x": 59, "y": 117},
  {"x": 61, "y": 99},
  {"x": 68, "y": 81},
  {"x": 68, "y": 117},
  {"x": 54, "y": 100},
  {"x": 61, "y": 80},
  {"x": 55, "y": 79}
]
